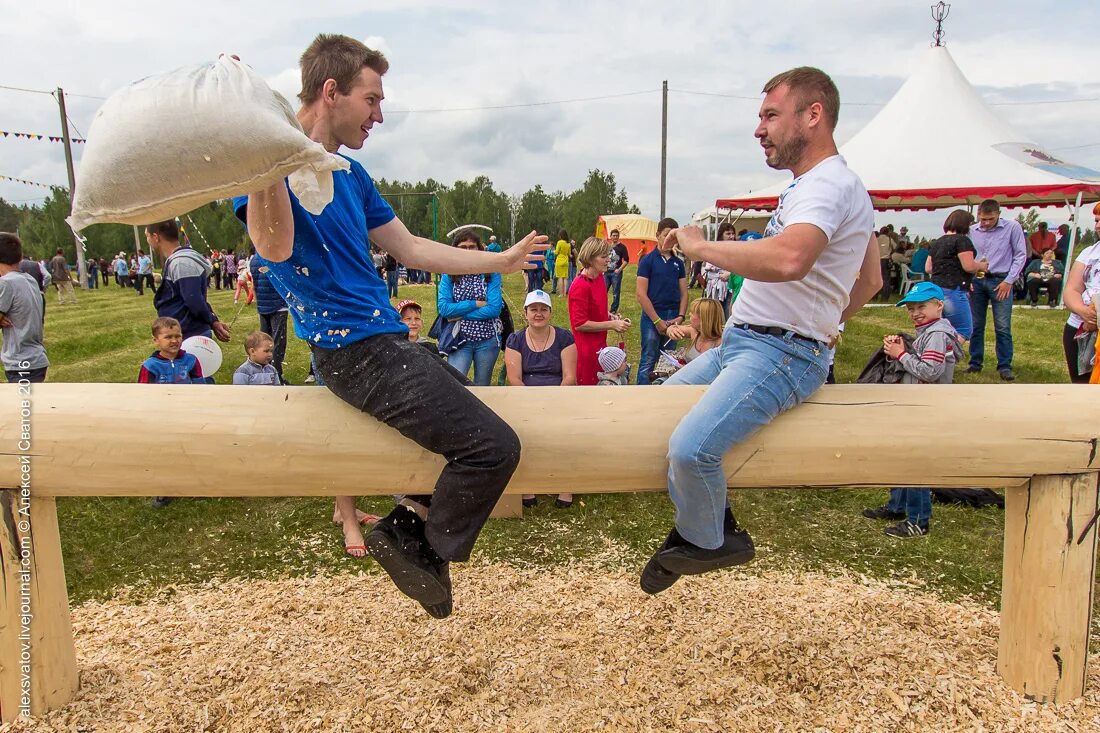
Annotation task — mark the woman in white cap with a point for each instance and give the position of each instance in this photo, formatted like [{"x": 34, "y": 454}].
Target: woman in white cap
[{"x": 541, "y": 355}]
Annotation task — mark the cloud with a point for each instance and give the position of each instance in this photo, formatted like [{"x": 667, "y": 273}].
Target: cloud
[{"x": 471, "y": 54}]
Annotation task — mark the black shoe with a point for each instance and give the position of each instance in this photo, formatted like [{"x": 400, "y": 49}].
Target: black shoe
[
  {"x": 882, "y": 512},
  {"x": 528, "y": 503},
  {"x": 397, "y": 543},
  {"x": 1007, "y": 375},
  {"x": 689, "y": 559},
  {"x": 655, "y": 578},
  {"x": 973, "y": 369},
  {"x": 159, "y": 502},
  {"x": 560, "y": 504},
  {"x": 442, "y": 610},
  {"x": 906, "y": 530}
]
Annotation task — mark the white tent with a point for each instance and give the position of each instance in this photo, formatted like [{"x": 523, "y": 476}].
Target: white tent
[
  {"x": 709, "y": 218},
  {"x": 936, "y": 145}
]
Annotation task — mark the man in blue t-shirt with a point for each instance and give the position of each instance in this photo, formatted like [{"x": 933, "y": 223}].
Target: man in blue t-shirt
[
  {"x": 321, "y": 266},
  {"x": 145, "y": 273},
  {"x": 662, "y": 293}
]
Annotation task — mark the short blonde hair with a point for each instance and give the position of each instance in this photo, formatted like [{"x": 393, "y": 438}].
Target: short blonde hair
[
  {"x": 592, "y": 248},
  {"x": 712, "y": 317},
  {"x": 256, "y": 339}
]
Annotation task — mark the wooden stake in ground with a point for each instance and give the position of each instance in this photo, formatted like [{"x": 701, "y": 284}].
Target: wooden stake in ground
[
  {"x": 1046, "y": 592},
  {"x": 39, "y": 659}
]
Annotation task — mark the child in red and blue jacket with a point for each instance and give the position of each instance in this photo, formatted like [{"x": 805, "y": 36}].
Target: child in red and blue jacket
[{"x": 170, "y": 364}]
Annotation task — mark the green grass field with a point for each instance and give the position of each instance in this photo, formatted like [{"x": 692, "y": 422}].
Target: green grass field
[{"x": 123, "y": 546}]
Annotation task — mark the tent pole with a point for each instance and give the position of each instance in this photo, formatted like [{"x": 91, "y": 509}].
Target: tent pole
[{"x": 1069, "y": 249}]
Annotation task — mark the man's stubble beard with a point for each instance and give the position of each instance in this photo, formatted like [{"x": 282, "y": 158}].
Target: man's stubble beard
[{"x": 789, "y": 152}]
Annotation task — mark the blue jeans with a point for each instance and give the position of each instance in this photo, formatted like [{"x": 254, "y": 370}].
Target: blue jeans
[
  {"x": 916, "y": 503},
  {"x": 956, "y": 309},
  {"x": 982, "y": 296},
  {"x": 391, "y": 283},
  {"x": 653, "y": 342},
  {"x": 615, "y": 281},
  {"x": 753, "y": 378},
  {"x": 482, "y": 354},
  {"x": 572, "y": 274}
]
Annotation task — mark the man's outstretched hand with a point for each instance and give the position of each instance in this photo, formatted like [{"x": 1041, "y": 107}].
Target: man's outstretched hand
[
  {"x": 690, "y": 239},
  {"x": 221, "y": 331},
  {"x": 521, "y": 255}
]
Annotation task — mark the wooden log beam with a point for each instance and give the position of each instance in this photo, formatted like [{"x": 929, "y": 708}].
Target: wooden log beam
[
  {"x": 197, "y": 440},
  {"x": 1047, "y": 585}
]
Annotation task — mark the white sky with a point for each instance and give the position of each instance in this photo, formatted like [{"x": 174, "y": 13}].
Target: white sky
[{"x": 472, "y": 54}]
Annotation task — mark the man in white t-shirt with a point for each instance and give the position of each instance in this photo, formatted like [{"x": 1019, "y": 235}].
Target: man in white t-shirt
[{"x": 817, "y": 264}]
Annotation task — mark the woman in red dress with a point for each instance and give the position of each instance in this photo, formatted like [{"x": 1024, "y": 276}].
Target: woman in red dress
[{"x": 588, "y": 316}]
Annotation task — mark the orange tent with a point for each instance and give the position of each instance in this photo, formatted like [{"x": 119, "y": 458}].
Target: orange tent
[{"x": 638, "y": 233}]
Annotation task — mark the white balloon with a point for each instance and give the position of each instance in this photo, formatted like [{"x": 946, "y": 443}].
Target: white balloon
[{"x": 207, "y": 351}]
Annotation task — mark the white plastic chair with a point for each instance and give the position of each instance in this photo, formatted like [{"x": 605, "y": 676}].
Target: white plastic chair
[{"x": 910, "y": 278}]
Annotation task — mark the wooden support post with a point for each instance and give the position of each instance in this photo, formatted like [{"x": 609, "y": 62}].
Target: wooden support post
[
  {"x": 37, "y": 656},
  {"x": 1047, "y": 586}
]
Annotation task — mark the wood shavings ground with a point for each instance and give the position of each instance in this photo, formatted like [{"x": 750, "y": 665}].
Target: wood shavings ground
[{"x": 570, "y": 649}]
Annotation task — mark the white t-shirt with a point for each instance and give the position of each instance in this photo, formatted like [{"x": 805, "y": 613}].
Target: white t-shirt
[
  {"x": 832, "y": 198},
  {"x": 1090, "y": 258}
]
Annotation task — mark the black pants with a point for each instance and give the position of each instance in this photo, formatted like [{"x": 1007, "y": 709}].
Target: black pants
[
  {"x": 887, "y": 279},
  {"x": 31, "y": 375},
  {"x": 1054, "y": 290},
  {"x": 410, "y": 389},
  {"x": 274, "y": 325},
  {"x": 1069, "y": 346},
  {"x": 142, "y": 281}
]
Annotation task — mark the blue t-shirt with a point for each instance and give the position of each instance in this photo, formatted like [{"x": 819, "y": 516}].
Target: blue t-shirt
[
  {"x": 145, "y": 265},
  {"x": 330, "y": 286},
  {"x": 664, "y": 278},
  {"x": 919, "y": 258}
]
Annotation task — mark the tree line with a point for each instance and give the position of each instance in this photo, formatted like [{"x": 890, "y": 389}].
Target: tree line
[{"x": 43, "y": 229}]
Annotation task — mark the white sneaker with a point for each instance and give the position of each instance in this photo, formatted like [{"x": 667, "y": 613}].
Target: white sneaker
[{"x": 311, "y": 379}]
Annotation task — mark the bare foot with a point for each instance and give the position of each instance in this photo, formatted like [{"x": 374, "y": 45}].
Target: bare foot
[
  {"x": 353, "y": 540},
  {"x": 363, "y": 517}
]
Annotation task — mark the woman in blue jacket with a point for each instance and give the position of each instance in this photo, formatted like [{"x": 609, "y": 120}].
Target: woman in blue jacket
[{"x": 476, "y": 301}]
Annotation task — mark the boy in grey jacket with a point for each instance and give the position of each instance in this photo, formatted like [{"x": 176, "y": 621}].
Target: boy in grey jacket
[
  {"x": 257, "y": 368},
  {"x": 932, "y": 360}
]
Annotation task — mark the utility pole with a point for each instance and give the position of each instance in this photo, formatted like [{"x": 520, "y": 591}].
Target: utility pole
[
  {"x": 513, "y": 209},
  {"x": 664, "y": 142},
  {"x": 81, "y": 269},
  {"x": 435, "y": 215}
]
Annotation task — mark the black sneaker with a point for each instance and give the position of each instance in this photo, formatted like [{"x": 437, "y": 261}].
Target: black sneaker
[
  {"x": 528, "y": 503},
  {"x": 972, "y": 369},
  {"x": 159, "y": 502},
  {"x": 689, "y": 559},
  {"x": 1007, "y": 375},
  {"x": 442, "y": 610},
  {"x": 906, "y": 530},
  {"x": 397, "y": 543},
  {"x": 883, "y": 512},
  {"x": 561, "y": 504},
  {"x": 656, "y": 578}
]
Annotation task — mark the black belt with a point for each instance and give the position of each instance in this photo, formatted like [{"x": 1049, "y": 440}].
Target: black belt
[
  {"x": 774, "y": 331},
  {"x": 1001, "y": 275}
]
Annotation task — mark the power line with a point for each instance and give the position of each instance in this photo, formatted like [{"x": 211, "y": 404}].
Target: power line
[
  {"x": 78, "y": 132},
  {"x": 22, "y": 89},
  {"x": 882, "y": 104}
]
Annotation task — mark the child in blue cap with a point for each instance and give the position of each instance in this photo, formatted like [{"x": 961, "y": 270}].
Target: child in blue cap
[{"x": 930, "y": 360}]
